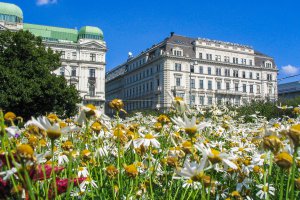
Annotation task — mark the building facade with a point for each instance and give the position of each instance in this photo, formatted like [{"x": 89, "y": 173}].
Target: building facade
[
  {"x": 82, "y": 52},
  {"x": 201, "y": 71},
  {"x": 289, "y": 90}
]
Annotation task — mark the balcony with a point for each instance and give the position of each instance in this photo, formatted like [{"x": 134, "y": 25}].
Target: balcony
[
  {"x": 74, "y": 79},
  {"x": 228, "y": 92},
  {"x": 178, "y": 88},
  {"x": 92, "y": 80}
]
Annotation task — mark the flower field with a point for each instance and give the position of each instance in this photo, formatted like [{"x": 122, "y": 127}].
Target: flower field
[{"x": 182, "y": 154}]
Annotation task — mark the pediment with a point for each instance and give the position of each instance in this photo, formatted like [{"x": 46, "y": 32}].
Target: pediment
[{"x": 93, "y": 44}]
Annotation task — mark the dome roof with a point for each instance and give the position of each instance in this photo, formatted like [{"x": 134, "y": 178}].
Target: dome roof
[
  {"x": 10, "y": 9},
  {"x": 90, "y": 30}
]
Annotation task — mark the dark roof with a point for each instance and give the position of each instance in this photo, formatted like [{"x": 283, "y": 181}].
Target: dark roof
[{"x": 258, "y": 53}]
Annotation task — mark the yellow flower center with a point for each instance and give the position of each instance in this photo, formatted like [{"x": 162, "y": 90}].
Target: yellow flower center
[
  {"x": 25, "y": 151},
  {"x": 191, "y": 130},
  {"x": 265, "y": 188},
  {"x": 9, "y": 116},
  {"x": 53, "y": 134},
  {"x": 215, "y": 158},
  {"x": 149, "y": 136}
]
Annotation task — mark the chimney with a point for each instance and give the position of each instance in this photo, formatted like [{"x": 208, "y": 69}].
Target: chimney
[{"x": 172, "y": 33}]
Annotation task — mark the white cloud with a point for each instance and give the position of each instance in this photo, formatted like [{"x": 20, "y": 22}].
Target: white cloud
[
  {"x": 45, "y": 2},
  {"x": 290, "y": 70}
]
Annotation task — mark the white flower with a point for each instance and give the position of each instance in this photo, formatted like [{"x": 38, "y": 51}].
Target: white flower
[
  {"x": 101, "y": 152},
  {"x": 189, "y": 125},
  {"x": 82, "y": 172},
  {"x": 8, "y": 173},
  {"x": 147, "y": 140},
  {"x": 62, "y": 159},
  {"x": 86, "y": 182},
  {"x": 265, "y": 190},
  {"x": 13, "y": 131}
]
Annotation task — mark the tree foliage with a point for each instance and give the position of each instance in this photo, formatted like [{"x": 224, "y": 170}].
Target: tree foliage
[{"x": 27, "y": 85}]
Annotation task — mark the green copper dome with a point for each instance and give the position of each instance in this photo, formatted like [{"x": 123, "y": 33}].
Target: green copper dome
[
  {"x": 10, "y": 9},
  {"x": 90, "y": 32}
]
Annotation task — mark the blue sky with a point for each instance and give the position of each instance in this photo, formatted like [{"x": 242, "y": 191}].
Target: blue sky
[{"x": 272, "y": 27}]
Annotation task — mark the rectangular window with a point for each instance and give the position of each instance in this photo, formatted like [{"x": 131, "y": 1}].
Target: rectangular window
[
  {"x": 201, "y": 86},
  {"x": 218, "y": 71},
  {"x": 243, "y": 61},
  {"x": 178, "y": 80},
  {"x": 192, "y": 83},
  {"x": 93, "y": 57},
  {"x": 201, "y": 100},
  {"x": 235, "y": 60},
  {"x": 258, "y": 89},
  {"x": 201, "y": 69},
  {"x": 227, "y": 86},
  {"x": 200, "y": 56},
  {"x": 269, "y": 77},
  {"x": 250, "y": 62},
  {"x": 226, "y": 59},
  {"x": 192, "y": 69},
  {"x": 209, "y": 70},
  {"x": 62, "y": 54},
  {"x": 218, "y": 85},
  {"x": 235, "y": 73},
  {"x": 74, "y": 55},
  {"x": 251, "y": 88},
  {"x": 257, "y": 76},
  {"x": 177, "y": 67},
  {"x": 62, "y": 71},
  {"x": 236, "y": 87},
  {"x": 227, "y": 72},
  {"x": 92, "y": 91},
  {"x": 250, "y": 75},
  {"x": 192, "y": 99},
  {"x": 73, "y": 71},
  {"x": 218, "y": 57},
  {"x": 209, "y": 56},
  {"x": 244, "y": 74},
  {"x": 209, "y": 85},
  {"x": 209, "y": 100},
  {"x": 244, "y": 88},
  {"x": 92, "y": 72}
]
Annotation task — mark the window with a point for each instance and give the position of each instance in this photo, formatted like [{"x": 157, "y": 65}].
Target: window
[
  {"x": 209, "y": 70},
  {"x": 178, "y": 80},
  {"x": 244, "y": 74},
  {"x": 236, "y": 87},
  {"x": 74, "y": 55},
  {"x": 250, "y": 75},
  {"x": 235, "y": 60},
  {"x": 218, "y": 71},
  {"x": 251, "y": 88},
  {"x": 192, "y": 83},
  {"x": 73, "y": 71},
  {"x": 250, "y": 62},
  {"x": 243, "y": 61},
  {"x": 192, "y": 99},
  {"x": 209, "y": 100},
  {"x": 227, "y": 86},
  {"x": 201, "y": 86},
  {"x": 269, "y": 77},
  {"x": 201, "y": 69},
  {"x": 244, "y": 88},
  {"x": 209, "y": 86},
  {"x": 268, "y": 65},
  {"x": 200, "y": 56},
  {"x": 226, "y": 59},
  {"x": 157, "y": 82},
  {"x": 270, "y": 89},
  {"x": 235, "y": 73},
  {"x": 258, "y": 89},
  {"x": 227, "y": 72},
  {"x": 201, "y": 100},
  {"x": 209, "y": 56},
  {"x": 192, "y": 69},
  {"x": 92, "y": 57},
  {"x": 92, "y": 90},
  {"x": 218, "y": 85},
  {"x": 177, "y": 67},
  {"x": 63, "y": 54},
  {"x": 177, "y": 52},
  {"x": 257, "y": 76},
  {"x": 218, "y": 58},
  {"x": 62, "y": 71},
  {"x": 92, "y": 72}
]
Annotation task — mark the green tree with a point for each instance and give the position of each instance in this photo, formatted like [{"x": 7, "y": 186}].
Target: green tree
[{"x": 27, "y": 86}]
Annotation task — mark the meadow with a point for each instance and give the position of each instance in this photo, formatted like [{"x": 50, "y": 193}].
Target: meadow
[{"x": 179, "y": 154}]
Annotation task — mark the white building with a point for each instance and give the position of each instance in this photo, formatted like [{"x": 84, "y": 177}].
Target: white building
[
  {"x": 82, "y": 52},
  {"x": 202, "y": 71}
]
